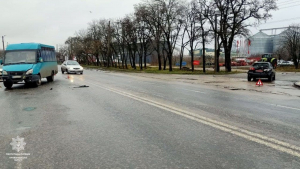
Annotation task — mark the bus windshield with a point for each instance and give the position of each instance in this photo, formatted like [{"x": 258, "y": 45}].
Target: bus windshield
[{"x": 18, "y": 57}]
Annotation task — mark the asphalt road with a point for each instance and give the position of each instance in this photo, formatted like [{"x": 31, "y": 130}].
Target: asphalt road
[{"x": 125, "y": 121}]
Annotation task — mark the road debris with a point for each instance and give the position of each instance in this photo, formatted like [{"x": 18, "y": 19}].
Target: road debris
[{"x": 83, "y": 86}]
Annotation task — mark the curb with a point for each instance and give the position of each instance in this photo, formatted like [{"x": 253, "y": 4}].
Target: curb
[{"x": 297, "y": 84}]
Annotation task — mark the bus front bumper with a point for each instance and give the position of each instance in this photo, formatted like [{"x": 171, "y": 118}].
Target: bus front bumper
[{"x": 20, "y": 78}]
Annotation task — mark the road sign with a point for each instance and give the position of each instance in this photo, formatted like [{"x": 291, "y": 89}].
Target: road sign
[
  {"x": 196, "y": 62},
  {"x": 259, "y": 83},
  {"x": 183, "y": 64}
]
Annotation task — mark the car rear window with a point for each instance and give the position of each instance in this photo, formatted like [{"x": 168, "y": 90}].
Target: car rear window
[{"x": 259, "y": 65}]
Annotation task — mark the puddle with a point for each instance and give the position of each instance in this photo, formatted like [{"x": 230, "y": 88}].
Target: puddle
[
  {"x": 186, "y": 78},
  {"x": 214, "y": 82},
  {"x": 29, "y": 108},
  {"x": 236, "y": 89},
  {"x": 23, "y": 128}
]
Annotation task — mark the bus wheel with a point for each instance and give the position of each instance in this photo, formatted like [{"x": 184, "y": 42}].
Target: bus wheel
[
  {"x": 8, "y": 84},
  {"x": 38, "y": 83},
  {"x": 50, "y": 78}
]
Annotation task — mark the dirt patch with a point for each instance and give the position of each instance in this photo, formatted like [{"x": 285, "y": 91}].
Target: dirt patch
[
  {"x": 186, "y": 79},
  {"x": 214, "y": 82}
]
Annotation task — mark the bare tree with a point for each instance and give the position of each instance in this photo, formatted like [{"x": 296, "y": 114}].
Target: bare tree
[
  {"x": 152, "y": 12},
  {"x": 202, "y": 20},
  {"x": 192, "y": 28},
  {"x": 173, "y": 13},
  {"x": 282, "y": 53},
  {"x": 291, "y": 41},
  {"x": 234, "y": 19},
  {"x": 183, "y": 45}
]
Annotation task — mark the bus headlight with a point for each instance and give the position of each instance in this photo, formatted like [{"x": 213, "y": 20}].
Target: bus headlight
[
  {"x": 29, "y": 72},
  {"x": 4, "y": 72}
]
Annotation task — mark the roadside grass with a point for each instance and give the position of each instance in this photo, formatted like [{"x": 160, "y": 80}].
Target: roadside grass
[
  {"x": 154, "y": 70},
  {"x": 287, "y": 69}
]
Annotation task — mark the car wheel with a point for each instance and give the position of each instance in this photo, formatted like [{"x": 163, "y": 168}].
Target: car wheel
[
  {"x": 50, "y": 78},
  {"x": 274, "y": 77},
  {"x": 8, "y": 84},
  {"x": 62, "y": 71},
  {"x": 38, "y": 83},
  {"x": 249, "y": 78},
  {"x": 81, "y": 73},
  {"x": 67, "y": 71},
  {"x": 270, "y": 78}
]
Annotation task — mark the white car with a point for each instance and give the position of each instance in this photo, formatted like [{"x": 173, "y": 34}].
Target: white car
[
  {"x": 71, "y": 66},
  {"x": 286, "y": 63}
]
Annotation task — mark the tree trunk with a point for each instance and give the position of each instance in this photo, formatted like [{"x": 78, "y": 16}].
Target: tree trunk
[
  {"x": 145, "y": 58},
  {"x": 181, "y": 57},
  {"x": 170, "y": 63},
  {"x": 192, "y": 59},
  {"x": 141, "y": 63},
  {"x": 126, "y": 63},
  {"x": 218, "y": 59},
  {"x": 97, "y": 58},
  {"x": 295, "y": 60},
  {"x": 227, "y": 60},
  {"x": 165, "y": 63},
  {"x": 159, "y": 61},
  {"x": 203, "y": 55}
]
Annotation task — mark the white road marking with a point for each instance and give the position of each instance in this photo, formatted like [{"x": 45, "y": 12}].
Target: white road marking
[
  {"x": 196, "y": 91},
  {"x": 255, "y": 137},
  {"x": 285, "y": 107}
]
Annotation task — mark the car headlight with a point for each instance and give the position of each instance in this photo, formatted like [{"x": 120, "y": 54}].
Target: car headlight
[
  {"x": 68, "y": 67},
  {"x": 4, "y": 72},
  {"x": 267, "y": 70},
  {"x": 81, "y": 67},
  {"x": 29, "y": 72}
]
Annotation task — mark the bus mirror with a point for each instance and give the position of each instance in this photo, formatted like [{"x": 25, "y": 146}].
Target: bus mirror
[{"x": 41, "y": 59}]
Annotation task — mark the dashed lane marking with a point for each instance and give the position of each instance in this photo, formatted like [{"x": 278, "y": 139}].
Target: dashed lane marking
[{"x": 255, "y": 137}]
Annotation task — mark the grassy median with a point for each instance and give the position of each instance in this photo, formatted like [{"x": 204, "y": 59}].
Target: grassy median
[
  {"x": 287, "y": 69},
  {"x": 155, "y": 70}
]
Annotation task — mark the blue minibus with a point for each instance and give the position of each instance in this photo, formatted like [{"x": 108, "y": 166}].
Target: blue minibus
[{"x": 28, "y": 62}]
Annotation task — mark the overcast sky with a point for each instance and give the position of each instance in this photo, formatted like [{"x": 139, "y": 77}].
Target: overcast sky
[{"x": 53, "y": 21}]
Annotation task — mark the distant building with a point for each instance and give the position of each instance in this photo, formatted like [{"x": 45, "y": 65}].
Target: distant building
[
  {"x": 208, "y": 52},
  {"x": 263, "y": 43}
]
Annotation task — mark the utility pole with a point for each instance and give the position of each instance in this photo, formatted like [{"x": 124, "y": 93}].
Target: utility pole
[
  {"x": 216, "y": 44},
  {"x": 108, "y": 47},
  {"x": 3, "y": 43}
]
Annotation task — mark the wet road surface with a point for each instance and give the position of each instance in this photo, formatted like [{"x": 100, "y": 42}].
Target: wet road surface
[{"x": 124, "y": 121}]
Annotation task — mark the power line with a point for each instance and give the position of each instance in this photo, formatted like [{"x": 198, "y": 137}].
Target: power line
[
  {"x": 288, "y": 2},
  {"x": 289, "y": 19},
  {"x": 289, "y": 6}
]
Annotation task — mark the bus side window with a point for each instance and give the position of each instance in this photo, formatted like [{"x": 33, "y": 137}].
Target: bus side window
[
  {"x": 47, "y": 55},
  {"x": 44, "y": 56},
  {"x": 38, "y": 55},
  {"x": 52, "y": 56}
]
